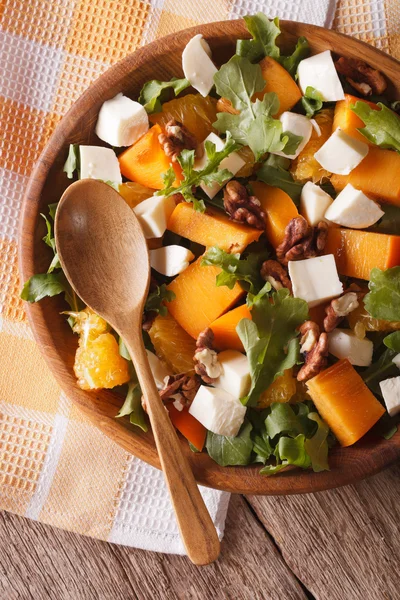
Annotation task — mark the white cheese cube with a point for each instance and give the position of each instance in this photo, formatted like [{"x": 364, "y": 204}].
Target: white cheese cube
[
  {"x": 121, "y": 121},
  {"x": 97, "y": 162},
  {"x": 158, "y": 369},
  {"x": 298, "y": 125},
  {"x": 235, "y": 376},
  {"x": 343, "y": 343},
  {"x": 315, "y": 280},
  {"x": 218, "y": 411},
  {"x": 341, "y": 153},
  {"x": 170, "y": 260},
  {"x": 314, "y": 203},
  {"x": 396, "y": 360},
  {"x": 153, "y": 215},
  {"x": 319, "y": 72},
  {"x": 197, "y": 65},
  {"x": 390, "y": 389},
  {"x": 233, "y": 163},
  {"x": 352, "y": 208}
]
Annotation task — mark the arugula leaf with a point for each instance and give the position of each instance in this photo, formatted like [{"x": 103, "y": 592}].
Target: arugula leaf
[
  {"x": 45, "y": 284},
  {"x": 53, "y": 210},
  {"x": 383, "y": 368},
  {"x": 283, "y": 420},
  {"x": 238, "y": 80},
  {"x": 234, "y": 268},
  {"x": 278, "y": 177},
  {"x": 270, "y": 339},
  {"x": 301, "y": 51},
  {"x": 155, "y": 92},
  {"x": 262, "y": 447},
  {"x": 381, "y": 127},
  {"x": 156, "y": 299},
  {"x": 72, "y": 162},
  {"x": 317, "y": 446},
  {"x": 264, "y": 34},
  {"x": 229, "y": 451},
  {"x": 312, "y": 101},
  {"x": 133, "y": 406},
  {"x": 123, "y": 350},
  {"x": 392, "y": 341},
  {"x": 50, "y": 241},
  {"x": 383, "y": 299},
  {"x": 192, "y": 178}
]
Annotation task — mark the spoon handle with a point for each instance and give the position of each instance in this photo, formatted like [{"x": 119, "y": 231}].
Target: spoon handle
[{"x": 196, "y": 527}]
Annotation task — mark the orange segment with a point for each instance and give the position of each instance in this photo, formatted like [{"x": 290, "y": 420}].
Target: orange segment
[
  {"x": 281, "y": 390},
  {"x": 172, "y": 344},
  {"x": 279, "y": 208},
  {"x": 224, "y": 329},
  {"x": 134, "y": 193},
  {"x": 344, "y": 402},
  {"x": 305, "y": 167},
  {"x": 211, "y": 228},
  {"x": 98, "y": 364},
  {"x": 360, "y": 315},
  {"x": 347, "y": 120}
]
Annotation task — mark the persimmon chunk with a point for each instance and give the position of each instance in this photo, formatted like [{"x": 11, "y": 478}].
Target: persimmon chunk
[
  {"x": 378, "y": 176},
  {"x": 224, "y": 329},
  {"x": 198, "y": 300},
  {"x": 145, "y": 162},
  {"x": 279, "y": 208},
  {"x": 345, "y": 402},
  {"x": 347, "y": 120},
  {"x": 211, "y": 228},
  {"x": 357, "y": 252}
]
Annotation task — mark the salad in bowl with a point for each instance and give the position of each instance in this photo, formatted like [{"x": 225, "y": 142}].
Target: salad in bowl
[{"x": 272, "y": 324}]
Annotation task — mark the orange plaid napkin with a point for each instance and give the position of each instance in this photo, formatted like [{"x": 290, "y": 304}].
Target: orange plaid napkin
[{"x": 54, "y": 465}]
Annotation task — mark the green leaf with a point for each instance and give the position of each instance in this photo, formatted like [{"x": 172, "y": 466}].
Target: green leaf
[
  {"x": 262, "y": 447},
  {"x": 278, "y": 177},
  {"x": 53, "y": 210},
  {"x": 45, "y": 284},
  {"x": 234, "y": 268},
  {"x": 291, "y": 451},
  {"x": 381, "y": 127},
  {"x": 301, "y": 52},
  {"x": 112, "y": 184},
  {"x": 55, "y": 264},
  {"x": 228, "y": 451},
  {"x": 270, "y": 339},
  {"x": 133, "y": 407},
  {"x": 238, "y": 80},
  {"x": 381, "y": 369},
  {"x": 123, "y": 350},
  {"x": 312, "y": 101},
  {"x": 392, "y": 341},
  {"x": 49, "y": 237},
  {"x": 72, "y": 162},
  {"x": 317, "y": 446},
  {"x": 283, "y": 420},
  {"x": 155, "y": 92},
  {"x": 264, "y": 34},
  {"x": 383, "y": 299},
  {"x": 156, "y": 300}
]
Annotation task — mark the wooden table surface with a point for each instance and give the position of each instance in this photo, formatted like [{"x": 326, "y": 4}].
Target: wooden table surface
[{"x": 337, "y": 545}]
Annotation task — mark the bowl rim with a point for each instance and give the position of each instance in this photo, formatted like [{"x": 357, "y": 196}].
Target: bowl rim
[{"x": 366, "y": 461}]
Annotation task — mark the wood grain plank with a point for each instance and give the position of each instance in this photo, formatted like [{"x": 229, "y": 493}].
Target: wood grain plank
[
  {"x": 41, "y": 562},
  {"x": 342, "y": 543}
]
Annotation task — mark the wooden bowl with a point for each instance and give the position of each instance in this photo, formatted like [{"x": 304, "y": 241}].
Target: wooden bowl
[{"x": 162, "y": 60}]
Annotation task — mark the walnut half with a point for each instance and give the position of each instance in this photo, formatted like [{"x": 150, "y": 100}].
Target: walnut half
[
  {"x": 206, "y": 358},
  {"x": 361, "y": 76},
  {"x": 302, "y": 241},
  {"x": 175, "y": 139},
  {"x": 241, "y": 207},
  {"x": 314, "y": 346},
  {"x": 341, "y": 307},
  {"x": 276, "y": 274}
]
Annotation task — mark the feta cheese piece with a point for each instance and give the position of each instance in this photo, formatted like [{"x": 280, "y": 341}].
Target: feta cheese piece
[
  {"x": 298, "y": 125},
  {"x": 390, "y": 389},
  {"x": 341, "y": 153},
  {"x": 343, "y": 343},
  {"x": 158, "y": 369},
  {"x": 99, "y": 163},
  {"x": 121, "y": 121},
  {"x": 233, "y": 163},
  {"x": 153, "y": 215},
  {"x": 396, "y": 360},
  {"x": 319, "y": 72},
  {"x": 218, "y": 411},
  {"x": 314, "y": 203},
  {"x": 352, "y": 208},
  {"x": 170, "y": 260},
  {"x": 315, "y": 280},
  {"x": 197, "y": 65},
  {"x": 235, "y": 376}
]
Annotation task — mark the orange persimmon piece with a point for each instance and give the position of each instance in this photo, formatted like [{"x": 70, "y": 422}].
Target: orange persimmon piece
[
  {"x": 347, "y": 120},
  {"x": 189, "y": 427},
  {"x": 279, "y": 208},
  {"x": 211, "y": 228},
  {"x": 145, "y": 162},
  {"x": 378, "y": 176},
  {"x": 224, "y": 329},
  {"x": 318, "y": 314},
  {"x": 278, "y": 80},
  {"x": 357, "y": 252},
  {"x": 345, "y": 402},
  {"x": 198, "y": 300}
]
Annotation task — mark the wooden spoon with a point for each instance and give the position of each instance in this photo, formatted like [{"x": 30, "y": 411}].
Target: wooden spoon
[{"x": 104, "y": 256}]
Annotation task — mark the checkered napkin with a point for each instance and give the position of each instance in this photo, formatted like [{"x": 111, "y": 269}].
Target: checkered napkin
[{"x": 54, "y": 465}]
